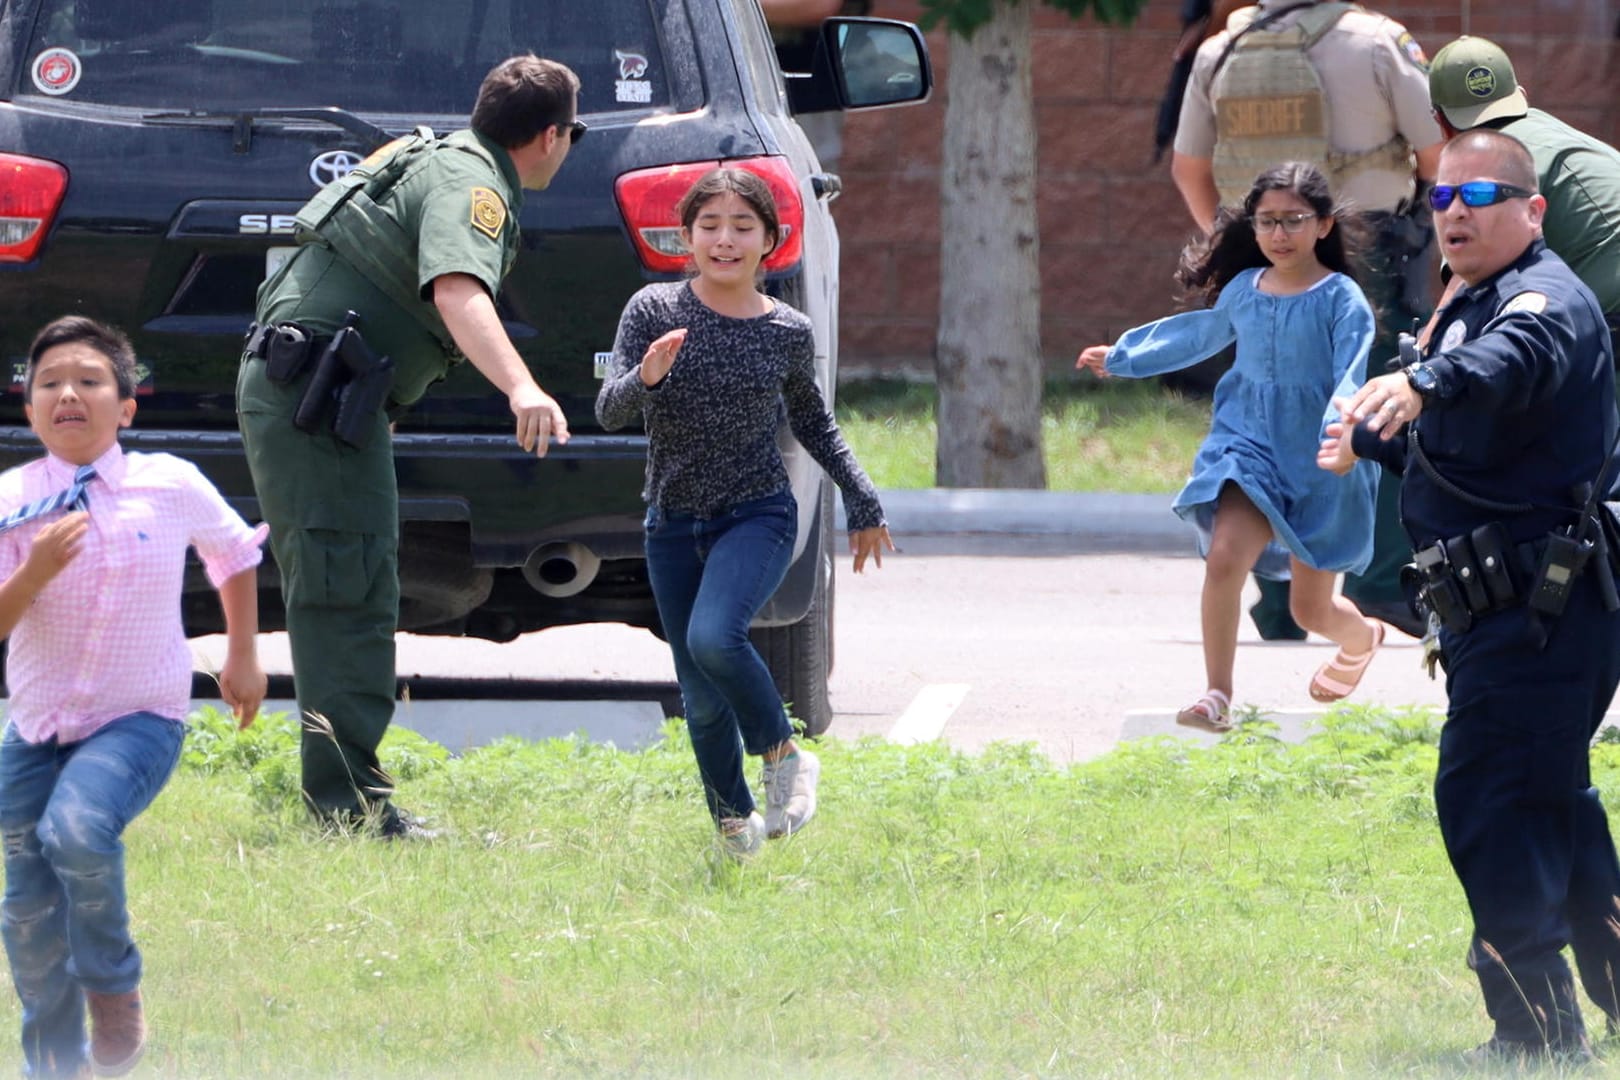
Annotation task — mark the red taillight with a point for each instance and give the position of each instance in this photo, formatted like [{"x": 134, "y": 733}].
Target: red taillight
[
  {"x": 31, "y": 191},
  {"x": 647, "y": 199}
]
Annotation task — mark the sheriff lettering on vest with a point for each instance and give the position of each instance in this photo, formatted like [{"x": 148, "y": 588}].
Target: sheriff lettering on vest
[
  {"x": 1347, "y": 90},
  {"x": 1324, "y": 82},
  {"x": 394, "y": 281}
]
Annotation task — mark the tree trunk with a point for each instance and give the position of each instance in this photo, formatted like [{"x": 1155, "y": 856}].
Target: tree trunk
[{"x": 988, "y": 362}]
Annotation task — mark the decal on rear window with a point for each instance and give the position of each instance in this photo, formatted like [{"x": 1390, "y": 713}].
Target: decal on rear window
[
  {"x": 632, "y": 86},
  {"x": 56, "y": 71}
]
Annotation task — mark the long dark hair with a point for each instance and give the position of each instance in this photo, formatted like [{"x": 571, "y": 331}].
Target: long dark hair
[{"x": 1208, "y": 265}]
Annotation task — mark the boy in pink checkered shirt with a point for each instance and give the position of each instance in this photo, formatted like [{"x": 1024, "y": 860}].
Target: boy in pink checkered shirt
[{"x": 100, "y": 678}]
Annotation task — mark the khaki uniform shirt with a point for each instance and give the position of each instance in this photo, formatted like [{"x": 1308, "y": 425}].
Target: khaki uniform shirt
[
  {"x": 462, "y": 216},
  {"x": 1376, "y": 84}
]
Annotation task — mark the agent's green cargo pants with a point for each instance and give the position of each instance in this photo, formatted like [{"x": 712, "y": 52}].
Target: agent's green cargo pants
[{"x": 333, "y": 513}]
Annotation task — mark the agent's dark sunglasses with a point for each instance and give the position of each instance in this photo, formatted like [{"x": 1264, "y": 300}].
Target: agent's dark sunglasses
[
  {"x": 576, "y": 131},
  {"x": 1475, "y": 193}
]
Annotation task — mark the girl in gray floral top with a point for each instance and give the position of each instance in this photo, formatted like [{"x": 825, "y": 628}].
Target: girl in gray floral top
[{"x": 710, "y": 365}]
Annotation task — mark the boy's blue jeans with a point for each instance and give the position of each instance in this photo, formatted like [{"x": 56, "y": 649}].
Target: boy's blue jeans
[
  {"x": 710, "y": 577},
  {"x": 63, "y": 811}
]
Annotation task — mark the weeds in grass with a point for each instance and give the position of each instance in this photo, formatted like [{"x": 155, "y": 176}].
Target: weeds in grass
[{"x": 1170, "y": 909}]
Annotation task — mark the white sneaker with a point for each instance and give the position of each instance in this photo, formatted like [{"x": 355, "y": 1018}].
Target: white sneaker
[
  {"x": 790, "y": 793},
  {"x": 742, "y": 837}
]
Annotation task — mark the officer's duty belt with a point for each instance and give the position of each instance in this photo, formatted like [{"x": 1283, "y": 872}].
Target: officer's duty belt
[
  {"x": 287, "y": 346},
  {"x": 1471, "y": 575},
  {"x": 1483, "y": 572},
  {"x": 346, "y": 377}
]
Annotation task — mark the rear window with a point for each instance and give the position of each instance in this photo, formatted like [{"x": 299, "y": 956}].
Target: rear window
[{"x": 387, "y": 56}]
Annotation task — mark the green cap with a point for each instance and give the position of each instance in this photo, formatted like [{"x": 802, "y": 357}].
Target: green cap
[{"x": 1471, "y": 81}]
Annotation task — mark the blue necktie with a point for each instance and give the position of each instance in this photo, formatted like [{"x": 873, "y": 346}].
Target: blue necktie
[{"x": 72, "y": 498}]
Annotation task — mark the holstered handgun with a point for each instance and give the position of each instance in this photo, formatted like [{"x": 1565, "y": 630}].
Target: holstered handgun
[
  {"x": 323, "y": 384},
  {"x": 1439, "y": 590},
  {"x": 351, "y": 375},
  {"x": 361, "y": 399}
]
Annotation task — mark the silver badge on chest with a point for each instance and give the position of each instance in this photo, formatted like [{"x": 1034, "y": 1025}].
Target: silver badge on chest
[{"x": 1455, "y": 333}]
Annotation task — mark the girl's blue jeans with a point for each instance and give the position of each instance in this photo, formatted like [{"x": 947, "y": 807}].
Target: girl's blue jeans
[
  {"x": 63, "y": 811},
  {"x": 710, "y": 577}
]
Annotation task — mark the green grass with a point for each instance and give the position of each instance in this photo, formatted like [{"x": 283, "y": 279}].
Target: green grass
[
  {"x": 1250, "y": 909},
  {"x": 1121, "y": 435}
]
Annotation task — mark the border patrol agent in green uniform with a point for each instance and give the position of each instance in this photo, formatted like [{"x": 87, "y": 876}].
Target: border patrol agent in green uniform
[
  {"x": 394, "y": 281},
  {"x": 1472, "y": 84}
]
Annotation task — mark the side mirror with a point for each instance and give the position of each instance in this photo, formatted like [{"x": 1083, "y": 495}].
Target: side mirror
[{"x": 863, "y": 63}]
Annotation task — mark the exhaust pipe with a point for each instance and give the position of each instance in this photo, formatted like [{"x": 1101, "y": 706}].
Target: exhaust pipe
[{"x": 561, "y": 569}]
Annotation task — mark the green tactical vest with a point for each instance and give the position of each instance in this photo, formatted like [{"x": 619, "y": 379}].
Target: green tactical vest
[
  {"x": 1270, "y": 108},
  {"x": 346, "y": 217}
]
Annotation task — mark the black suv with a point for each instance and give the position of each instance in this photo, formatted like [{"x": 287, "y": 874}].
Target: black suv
[{"x": 153, "y": 154}]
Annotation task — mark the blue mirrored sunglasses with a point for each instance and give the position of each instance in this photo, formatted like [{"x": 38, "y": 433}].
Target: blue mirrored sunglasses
[{"x": 1475, "y": 193}]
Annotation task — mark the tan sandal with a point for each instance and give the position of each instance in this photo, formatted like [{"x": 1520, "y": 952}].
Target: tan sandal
[
  {"x": 1327, "y": 688},
  {"x": 1212, "y": 712}
]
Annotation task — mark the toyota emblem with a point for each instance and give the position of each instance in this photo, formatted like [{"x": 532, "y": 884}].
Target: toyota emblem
[{"x": 332, "y": 165}]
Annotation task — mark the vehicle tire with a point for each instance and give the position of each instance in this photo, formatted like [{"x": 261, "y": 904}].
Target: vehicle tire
[
  {"x": 438, "y": 584},
  {"x": 800, "y": 655}
]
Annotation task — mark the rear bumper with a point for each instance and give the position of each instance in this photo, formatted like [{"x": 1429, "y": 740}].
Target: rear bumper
[{"x": 507, "y": 504}]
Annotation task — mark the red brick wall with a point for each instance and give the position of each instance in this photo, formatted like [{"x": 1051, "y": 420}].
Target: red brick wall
[{"x": 1111, "y": 221}]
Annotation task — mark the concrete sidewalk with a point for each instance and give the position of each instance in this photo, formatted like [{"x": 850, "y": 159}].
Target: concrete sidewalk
[
  {"x": 986, "y": 510},
  {"x": 1107, "y": 520}
]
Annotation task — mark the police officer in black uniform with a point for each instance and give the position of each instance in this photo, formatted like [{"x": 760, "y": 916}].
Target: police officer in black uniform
[{"x": 1501, "y": 431}]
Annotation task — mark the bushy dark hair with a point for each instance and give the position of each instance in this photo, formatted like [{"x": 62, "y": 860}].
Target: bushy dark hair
[
  {"x": 523, "y": 96},
  {"x": 747, "y": 186},
  {"x": 78, "y": 329},
  {"x": 1209, "y": 265}
]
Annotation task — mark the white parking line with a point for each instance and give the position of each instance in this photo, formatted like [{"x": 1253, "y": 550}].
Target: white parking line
[{"x": 925, "y": 717}]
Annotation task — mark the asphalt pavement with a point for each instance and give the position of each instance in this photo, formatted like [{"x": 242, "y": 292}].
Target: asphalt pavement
[
  {"x": 1146, "y": 648},
  {"x": 1063, "y": 619}
]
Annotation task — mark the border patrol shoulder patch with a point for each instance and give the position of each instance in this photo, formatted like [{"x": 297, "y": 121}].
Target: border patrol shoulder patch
[{"x": 488, "y": 212}]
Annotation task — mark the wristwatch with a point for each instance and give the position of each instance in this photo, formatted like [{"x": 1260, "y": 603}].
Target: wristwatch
[{"x": 1423, "y": 379}]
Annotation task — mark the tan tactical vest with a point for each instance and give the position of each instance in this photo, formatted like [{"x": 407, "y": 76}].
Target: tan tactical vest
[
  {"x": 1270, "y": 108},
  {"x": 346, "y": 216}
]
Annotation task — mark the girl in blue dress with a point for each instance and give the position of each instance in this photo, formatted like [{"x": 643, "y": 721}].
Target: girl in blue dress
[{"x": 1275, "y": 274}]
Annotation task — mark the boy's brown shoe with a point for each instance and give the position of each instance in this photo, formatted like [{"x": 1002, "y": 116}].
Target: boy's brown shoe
[{"x": 117, "y": 1032}]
